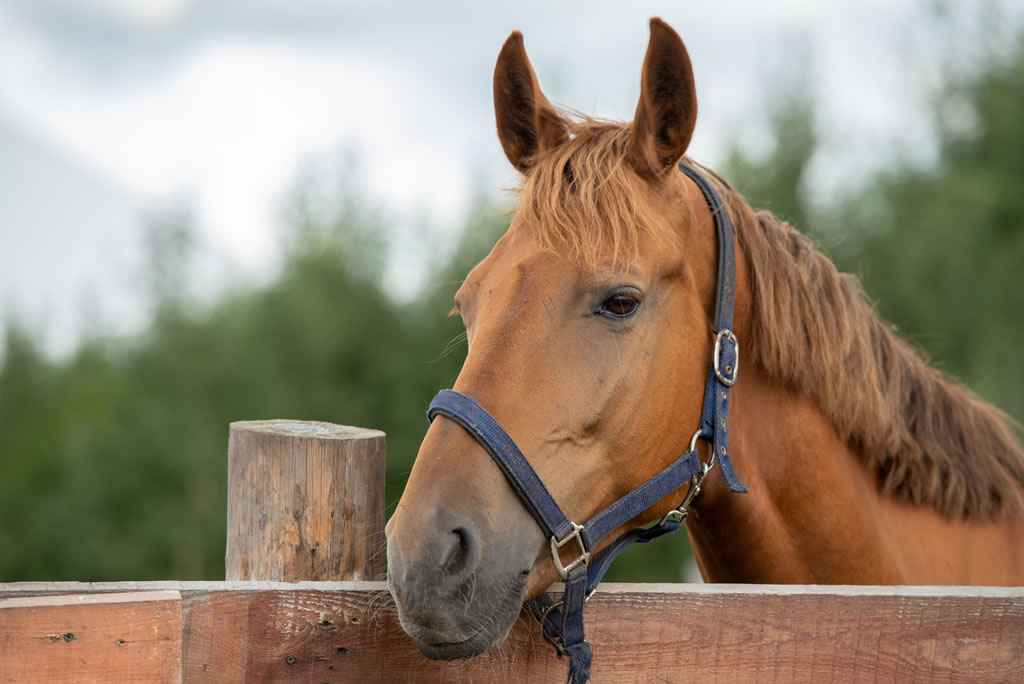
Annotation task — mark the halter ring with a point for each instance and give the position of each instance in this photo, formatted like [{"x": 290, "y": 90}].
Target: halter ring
[
  {"x": 552, "y": 639},
  {"x": 680, "y": 512}
]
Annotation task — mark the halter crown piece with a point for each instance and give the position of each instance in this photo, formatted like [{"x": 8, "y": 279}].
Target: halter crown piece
[{"x": 562, "y": 623}]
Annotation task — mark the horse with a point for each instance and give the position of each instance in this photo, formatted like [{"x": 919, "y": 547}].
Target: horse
[{"x": 590, "y": 327}]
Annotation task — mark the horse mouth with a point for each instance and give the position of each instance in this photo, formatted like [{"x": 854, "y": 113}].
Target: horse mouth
[
  {"x": 479, "y": 643},
  {"x": 439, "y": 634}
]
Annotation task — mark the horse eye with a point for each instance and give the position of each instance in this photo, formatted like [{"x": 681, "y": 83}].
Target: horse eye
[{"x": 620, "y": 305}]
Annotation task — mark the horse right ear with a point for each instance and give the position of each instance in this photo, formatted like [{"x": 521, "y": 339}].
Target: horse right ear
[
  {"x": 527, "y": 123},
  {"x": 667, "y": 111}
]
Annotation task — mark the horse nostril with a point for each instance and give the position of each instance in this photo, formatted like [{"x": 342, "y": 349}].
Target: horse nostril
[{"x": 458, "y": 558}]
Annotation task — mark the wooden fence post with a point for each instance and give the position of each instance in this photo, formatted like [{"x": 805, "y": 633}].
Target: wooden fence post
[{"x": 305, "y": 502}]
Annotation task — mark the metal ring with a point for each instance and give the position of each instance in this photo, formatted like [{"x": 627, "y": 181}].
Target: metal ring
[
  {"x": 697, "y": 478},
  {"x": 544, "y": 615},
  {"x": 680, "y": 513},
  {"x": 693, "y": 440},
  {"x": 555, "y": 640}
]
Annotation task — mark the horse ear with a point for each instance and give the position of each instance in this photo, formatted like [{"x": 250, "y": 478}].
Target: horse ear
[
  {"x": 667, "y": 111},
  {"x": 527, "y": 123}
]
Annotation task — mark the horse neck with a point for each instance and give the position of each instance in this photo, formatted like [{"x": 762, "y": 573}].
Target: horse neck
[
  {"x": 807, "y": 517},
  {"x": 794, "y": 466},
  {"x": 815, "y": 512}
]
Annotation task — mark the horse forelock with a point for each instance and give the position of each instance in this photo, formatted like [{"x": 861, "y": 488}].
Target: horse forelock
[{"x": 580, "y": 198}]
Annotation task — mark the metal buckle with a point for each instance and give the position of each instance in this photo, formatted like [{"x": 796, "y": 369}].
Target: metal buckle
[
  {"x": 680, "y": 512},
  {"x": 727, "y": 380},
  {"x": 563, "y": 570}
]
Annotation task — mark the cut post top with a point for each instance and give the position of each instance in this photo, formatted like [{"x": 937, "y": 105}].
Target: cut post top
[{"x": 306, "y": 428}]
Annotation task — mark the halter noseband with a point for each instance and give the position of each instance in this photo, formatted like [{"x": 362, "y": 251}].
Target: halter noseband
[{"x": 562, "y": 623}]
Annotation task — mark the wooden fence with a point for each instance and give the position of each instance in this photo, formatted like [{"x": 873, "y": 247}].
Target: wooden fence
[{"x": 293, "y": 513}]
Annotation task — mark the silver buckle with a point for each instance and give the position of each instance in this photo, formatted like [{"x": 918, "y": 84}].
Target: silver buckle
[
  {"x": 717, "y": 357},
  {"x": 563, "y": 570}
]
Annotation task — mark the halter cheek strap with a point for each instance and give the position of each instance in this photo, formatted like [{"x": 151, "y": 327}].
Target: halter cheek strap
[
  {"x": 562, "y": 623},
  {"x": 725, "y": 359}
]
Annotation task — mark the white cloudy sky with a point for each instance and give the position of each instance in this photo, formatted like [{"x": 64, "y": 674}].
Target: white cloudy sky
[{"x": 112, "y": 109}]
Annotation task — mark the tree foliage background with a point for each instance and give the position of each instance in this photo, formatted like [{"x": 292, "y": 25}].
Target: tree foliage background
[{"x": 113, "y": 460}]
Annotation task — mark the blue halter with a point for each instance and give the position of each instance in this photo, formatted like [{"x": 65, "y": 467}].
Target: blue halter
[{"x": 562, "y": 623}]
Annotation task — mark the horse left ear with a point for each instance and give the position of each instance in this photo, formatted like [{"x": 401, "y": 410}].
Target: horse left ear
[
  {"x": 667, "y": 111},
  {"x": 527, "y": 123}
]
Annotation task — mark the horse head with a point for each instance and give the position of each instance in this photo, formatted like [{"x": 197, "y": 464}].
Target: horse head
[{"x": 584, "y": 322}]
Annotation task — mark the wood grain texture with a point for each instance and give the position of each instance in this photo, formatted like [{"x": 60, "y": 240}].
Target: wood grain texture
[
  {"x": 347, "y": 631},
  {"x": 305, "y": 502},
  {"x": 129, "y": 637}
]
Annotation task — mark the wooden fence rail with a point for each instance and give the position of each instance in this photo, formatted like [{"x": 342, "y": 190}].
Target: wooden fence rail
[
  {"x": 306, "y": 503},
  {"x": 347, "y": 632}
]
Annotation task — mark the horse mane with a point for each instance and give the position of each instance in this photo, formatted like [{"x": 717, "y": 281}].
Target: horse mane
[{"x": 931, "y": 441}]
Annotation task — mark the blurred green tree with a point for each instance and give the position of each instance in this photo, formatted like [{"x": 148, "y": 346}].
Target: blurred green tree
[{"x": 941, "y": 248}]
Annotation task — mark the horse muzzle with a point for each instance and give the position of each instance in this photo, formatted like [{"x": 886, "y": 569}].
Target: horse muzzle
[{"x": 449, "y": 600}]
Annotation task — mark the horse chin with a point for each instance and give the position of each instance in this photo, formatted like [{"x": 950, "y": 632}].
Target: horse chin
[
  {"x": 453, "y": 630},
  {"x": 479, "y": 643}
]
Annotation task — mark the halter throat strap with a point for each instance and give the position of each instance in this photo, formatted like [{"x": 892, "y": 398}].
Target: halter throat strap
[{"x": 562, "y": 623}]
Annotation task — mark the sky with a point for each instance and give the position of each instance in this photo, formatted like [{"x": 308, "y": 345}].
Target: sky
[{"x": 113, "y": 112}]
